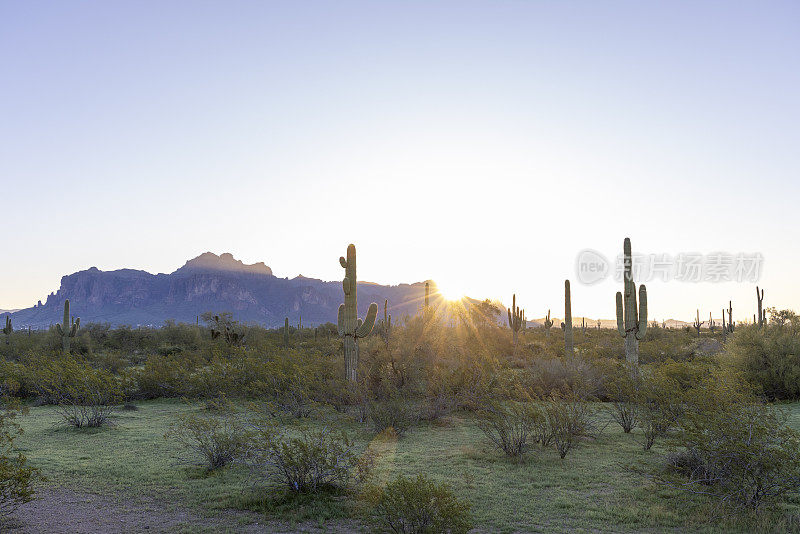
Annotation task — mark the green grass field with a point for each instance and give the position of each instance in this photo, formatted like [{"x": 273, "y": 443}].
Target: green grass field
[{"x": 593, "y": 489}]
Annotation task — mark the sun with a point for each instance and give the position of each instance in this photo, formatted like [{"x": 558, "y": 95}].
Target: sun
[{"x": 451, "y": 293}]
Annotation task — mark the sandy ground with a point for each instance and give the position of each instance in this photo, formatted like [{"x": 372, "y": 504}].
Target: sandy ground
[{"x": 64, "y": 511}]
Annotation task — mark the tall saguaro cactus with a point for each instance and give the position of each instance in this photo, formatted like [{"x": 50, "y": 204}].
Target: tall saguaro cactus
[
  {"x": 569, "y": 346},
  {"x": 548, "y": 324},
  {"x": 350, "y": 326},
  {"x": 631, "y": 316},
  {"x": 711, "y": 324},
  {"x": 730, "y": 317},
  {"x": 8, "y": 329},
  {"x": 697, "y": 324},
  {"x": 386, "y": 331},
  {"x": 762, "y": 315},
  {"x": 286, "y": 332},
  {"x": 67, "y": 331},
  {"x": 515, "y": 319}
]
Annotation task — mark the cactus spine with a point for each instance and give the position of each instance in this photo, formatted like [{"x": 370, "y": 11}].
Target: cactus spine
[
  {"x": 762, "y": 315},
  {"x": 286, "y": 332},
  {"x": 569, "y": 346},
  {"x": 548, "y": 324},
  {"x": 8, "y": 329},
  {"x": 350, "y": 326},
  {"x": 67, "y": 331},
  {"x": 631, "y": 316},
  {"x": 515, "y": 319}
]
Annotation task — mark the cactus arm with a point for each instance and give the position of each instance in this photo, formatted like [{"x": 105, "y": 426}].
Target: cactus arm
[
  {"x": 340, "y": 320},
  {"x": 343, "y": 262},
  {"x": 73, "y": 330},
  {"x": 620, "y": 315},
  {"x": 346, "y": 285},
  {"x": 640, "y": 333},
  {"x": 59, "y": 330},
  {"x": 365, "y": 328}
]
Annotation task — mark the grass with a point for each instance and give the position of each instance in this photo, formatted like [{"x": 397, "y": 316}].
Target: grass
[{"x": 593, "y": 489}]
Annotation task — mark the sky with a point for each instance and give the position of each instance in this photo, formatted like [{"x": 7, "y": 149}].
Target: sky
[{"x": 483, "y": 145}]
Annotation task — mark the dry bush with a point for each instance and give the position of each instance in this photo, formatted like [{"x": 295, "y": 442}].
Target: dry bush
[{"x": 570, "y": 420}]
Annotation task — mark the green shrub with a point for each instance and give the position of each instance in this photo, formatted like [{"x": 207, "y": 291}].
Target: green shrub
[
  {"x": 420, "y": 506},
  {"x": 769, "y": 357},
  {"x": 659, "y": 401},
  {"x": 398, "y": 414},
  {"x": 569, "y": 420},
  {"x": 509, "y": 426},
  {"x": 16, "y": 476},
  {"x": 218, "y": 440},
  {"x": 310, "y": 462},
  {"x": 733, "y": 447},
  {"x": 84, "y": 396}
]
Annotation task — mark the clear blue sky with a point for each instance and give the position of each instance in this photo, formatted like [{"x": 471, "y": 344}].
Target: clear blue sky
[{"x": 481, "y": 144}]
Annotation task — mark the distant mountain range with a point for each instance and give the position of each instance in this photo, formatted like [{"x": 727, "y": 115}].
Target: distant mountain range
[
  {"x": 210, "y": 283},
  {"x": 224, "y": 284}
]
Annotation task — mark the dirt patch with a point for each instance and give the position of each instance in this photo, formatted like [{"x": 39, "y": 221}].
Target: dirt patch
[{"x": 64, "y": 511}]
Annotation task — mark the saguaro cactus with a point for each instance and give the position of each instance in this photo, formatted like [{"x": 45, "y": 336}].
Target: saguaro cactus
[
  {"x": 711, "y": 324},
  {"x": 8, "y": 329},
  {"x": 286, "y": 332},
  {"x": 697, "y": 324},
  {"x": 548, "y": 324},
  {"x": 762, "y": 314},
  {"x": 583, "y": 326},
  {"x": 386, "y": 331},
  {"x": 350, "y": 326},
  {"x": 731, "y": 324},
  {"x": 67, "y": 331},
  {"x": 569, "y": 346},
  {"x": 515, "y": 319},
  {"x": 631, "y": 316}
]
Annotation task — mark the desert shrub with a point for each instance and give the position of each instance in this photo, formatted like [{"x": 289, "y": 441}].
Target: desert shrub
[
  {"x": 769, "y": 357},
  {"x": 17, "y": 477},
  {"x": 734, "y": 448},
  {"x": 84, "y": 396},
  {"x": 398, "y": 414},
  {"x": 308, "y": 462},
  {"x": 569, "y": 420},
  {"x": 659, "y": 401},
  {"x": 420, "y": 506},
  {"x": 164, "y": 376},
  {"x": 622, "y": 387},
  {"x": 218, "y": 440},
  {"x": 509, "y": 426},
  {"x": 557, "y": 376}
]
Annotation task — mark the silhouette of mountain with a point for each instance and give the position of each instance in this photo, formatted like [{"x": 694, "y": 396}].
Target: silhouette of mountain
[{"x": 209, "y": 283}]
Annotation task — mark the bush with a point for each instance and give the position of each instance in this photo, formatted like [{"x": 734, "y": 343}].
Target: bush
[
  {"x": 509, "y": 426},
  {"x": 16, "y": 476},
  {"x": 659, "y": 405},
  {"x": 217, "y": 440},
  {"x": 420, "y": 506},
  {"x": 623, "y": 388},
  {"x": 84, "y": 396},
  {"x": 734, "y": 448},
  {"x": 569, "y": 421},
  {"x": 310, "y": 462},
  {"x": 397, "y": 414},
  {"x": 769, "y": 357}
]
